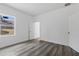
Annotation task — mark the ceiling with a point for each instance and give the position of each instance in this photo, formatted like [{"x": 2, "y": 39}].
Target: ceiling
[{"x": 35, "y": 9}]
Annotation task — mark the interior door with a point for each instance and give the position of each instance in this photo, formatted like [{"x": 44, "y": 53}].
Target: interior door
[
  {"x": 34, "y": 30},
  {"x": 74, "y": 31}
]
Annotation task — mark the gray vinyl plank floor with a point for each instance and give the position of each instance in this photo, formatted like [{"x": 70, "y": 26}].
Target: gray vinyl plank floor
[{"x": 38, "y": 48}]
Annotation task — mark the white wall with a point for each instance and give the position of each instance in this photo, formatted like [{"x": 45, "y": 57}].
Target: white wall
[
  {"x": 22, "y": 21},
  {"x": 55, "y": 24},
  {"x": 54, "y": 27},
  {"x": 74, "y": 31}
]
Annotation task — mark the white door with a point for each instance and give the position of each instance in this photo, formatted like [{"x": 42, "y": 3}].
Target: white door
[
  {"x": 36, "y": 30},
  {"x": 74, "y": 31}
]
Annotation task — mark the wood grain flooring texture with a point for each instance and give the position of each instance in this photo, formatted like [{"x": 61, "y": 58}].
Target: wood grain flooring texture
[{"x": 38, "y": 48}]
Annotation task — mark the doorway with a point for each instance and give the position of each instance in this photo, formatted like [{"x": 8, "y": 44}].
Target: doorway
[{"x": 35, "y": 30}]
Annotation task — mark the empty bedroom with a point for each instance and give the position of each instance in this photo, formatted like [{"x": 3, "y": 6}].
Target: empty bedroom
[{"x": 39, "y": 29}]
